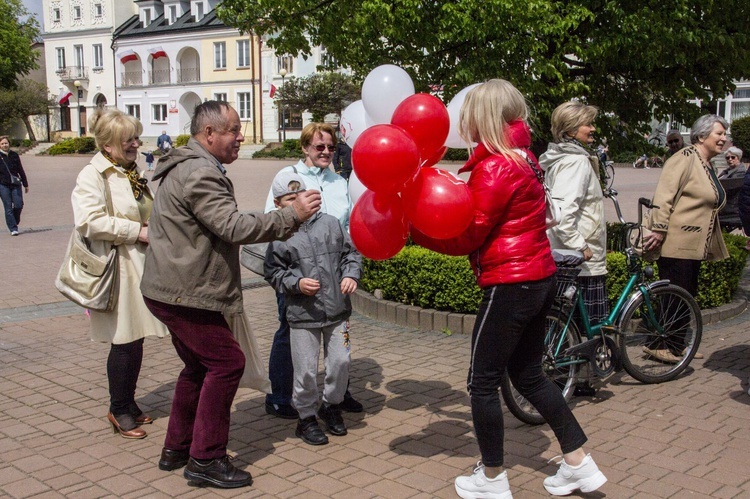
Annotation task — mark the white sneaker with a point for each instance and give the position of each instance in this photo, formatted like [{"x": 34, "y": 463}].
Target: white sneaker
[
  {"x": 585, "y": 476},
  {"x": 478, "y": 486},
  {"x": 14, "y": 233}
]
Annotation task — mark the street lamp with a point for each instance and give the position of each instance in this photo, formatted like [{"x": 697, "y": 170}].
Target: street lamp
[
  {"x": 282, "y": 73},
  {"x": 77, "y": 84}
]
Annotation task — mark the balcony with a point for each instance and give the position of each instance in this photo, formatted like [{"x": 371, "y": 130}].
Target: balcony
[
  {"x": 158, "y": 77},
  {"x": 187, "y": 75},
  {"x": 131, "y": 78},
  {"x": 72, "y": 73}
]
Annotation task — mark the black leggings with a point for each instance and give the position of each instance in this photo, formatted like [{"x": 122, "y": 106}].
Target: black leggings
[
  {"x": 509, "y": 333},
  {"x": 123, "y": 368}
]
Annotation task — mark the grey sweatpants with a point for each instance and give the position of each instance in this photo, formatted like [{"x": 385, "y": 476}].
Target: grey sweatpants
[{"x": 305, "y": 355}]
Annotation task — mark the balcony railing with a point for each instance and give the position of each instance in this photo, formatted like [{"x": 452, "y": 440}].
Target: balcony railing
[
  {"x": 188, "y": 74},
  {"x": 71, "y": 73},
  {"x": 158, "y": 77},
  {"x": 131, "y": 78}
]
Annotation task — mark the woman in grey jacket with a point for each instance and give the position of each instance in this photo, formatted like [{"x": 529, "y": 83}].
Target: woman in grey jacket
[{"x": 572, "y": 175}]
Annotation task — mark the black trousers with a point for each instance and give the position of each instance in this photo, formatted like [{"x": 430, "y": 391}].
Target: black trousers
[
  {"x": 509, "y": 333},
  {"x": 683, "y": 273}
]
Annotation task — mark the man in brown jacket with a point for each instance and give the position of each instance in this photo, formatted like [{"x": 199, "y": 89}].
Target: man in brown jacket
[{"x": 192, "y": 278}]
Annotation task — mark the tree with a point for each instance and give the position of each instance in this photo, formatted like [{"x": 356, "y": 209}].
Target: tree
[
  {"x": 17, "y": 58},
  {"x": 741, "y": 134},
  {"x": 634, "y": 60},
  {"x": 319, "y": 94},
  {"x": 29, "y": 99}
]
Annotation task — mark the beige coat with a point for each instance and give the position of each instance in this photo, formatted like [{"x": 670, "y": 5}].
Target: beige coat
[
  {"x": 688, "y": 201},
  {"x": 130, "y": 320}
]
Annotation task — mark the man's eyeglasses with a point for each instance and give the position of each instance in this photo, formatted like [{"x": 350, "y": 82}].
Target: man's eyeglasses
[
  {"x": 322, "y": 147},
  {"x": 673, "y": 141},
  {"x": 731, "y": 157}
]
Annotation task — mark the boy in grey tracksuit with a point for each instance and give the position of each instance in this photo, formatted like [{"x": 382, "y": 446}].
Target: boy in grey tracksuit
[{"x": 316, "y": 269}]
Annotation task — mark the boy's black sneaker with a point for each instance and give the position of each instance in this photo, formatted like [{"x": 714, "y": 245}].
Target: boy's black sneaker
[
  {"x": 331, "y": 416},
  {"x": 309, "y": 431},
  {"x": 283, "y": 411}
]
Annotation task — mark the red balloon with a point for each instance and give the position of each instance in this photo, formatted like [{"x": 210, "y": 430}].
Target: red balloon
[
  {"x": 435, "y": 158},
  {"x": 384, "y": 158},
  {"x": 378, "y": 226},
  {"x": 438, "y": 204},
  {"x": 426, "y": 119}
]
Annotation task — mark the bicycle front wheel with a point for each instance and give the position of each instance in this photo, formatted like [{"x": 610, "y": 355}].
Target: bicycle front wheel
[
  {"x": 561, "y": 370},
  {"x": 653, "y": 356}
]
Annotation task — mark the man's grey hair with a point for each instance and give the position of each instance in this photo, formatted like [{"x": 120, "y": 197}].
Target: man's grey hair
[
  {"x": 209, "y": 113},
  {"x": 703, "y": 126}
]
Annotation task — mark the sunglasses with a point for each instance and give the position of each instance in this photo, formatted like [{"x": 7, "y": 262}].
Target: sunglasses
[
  {"x": 322, "y": 147},
  {"x": 731, "y": 157},
  {"x": 673, "y": 141}
]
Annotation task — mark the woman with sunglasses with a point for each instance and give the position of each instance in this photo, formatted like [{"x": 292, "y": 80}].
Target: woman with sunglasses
[
  {"x": 735, "y": 168},
  {"x": 318, "y": 143}
]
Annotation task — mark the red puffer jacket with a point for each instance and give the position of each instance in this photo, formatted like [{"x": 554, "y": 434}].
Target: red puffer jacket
[{"x": 506, "y": 240}]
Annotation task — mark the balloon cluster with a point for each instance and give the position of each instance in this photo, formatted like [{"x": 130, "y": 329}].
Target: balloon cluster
[{"x": 396, "y": 137}]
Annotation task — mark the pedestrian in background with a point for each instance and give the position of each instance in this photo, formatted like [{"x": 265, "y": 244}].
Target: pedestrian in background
[
  {"x": 13, "y": 183},
  {"x": 149, "y": 159}
]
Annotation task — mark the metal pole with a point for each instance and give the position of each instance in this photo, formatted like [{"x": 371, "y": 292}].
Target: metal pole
[{"x": 283, "y": 112}]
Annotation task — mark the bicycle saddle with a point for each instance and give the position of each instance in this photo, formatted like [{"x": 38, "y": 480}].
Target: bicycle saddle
[{"x": 567, "y": 258}]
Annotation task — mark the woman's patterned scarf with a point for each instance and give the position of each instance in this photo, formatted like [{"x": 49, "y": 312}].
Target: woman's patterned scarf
[{"x": 137, "y": 183}]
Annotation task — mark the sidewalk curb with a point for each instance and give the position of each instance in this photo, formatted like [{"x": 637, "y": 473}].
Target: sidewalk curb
[{"x": 427, "y": 320}]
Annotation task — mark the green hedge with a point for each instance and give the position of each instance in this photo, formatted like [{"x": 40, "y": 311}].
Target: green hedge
[
  {"x": 417, "y": 276},
  {"x": 77, "y": 145},
  {"x": 290, "y": 148},
  {"x": 181, "y": 140}
]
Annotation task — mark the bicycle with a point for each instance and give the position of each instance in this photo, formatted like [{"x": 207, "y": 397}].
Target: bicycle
[{"x": 648, "y": 318}]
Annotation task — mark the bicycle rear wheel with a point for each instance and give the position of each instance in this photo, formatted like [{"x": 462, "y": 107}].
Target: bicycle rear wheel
[
  {"x": 563, "y": 371},
  {"x": 653, "y": 357}
]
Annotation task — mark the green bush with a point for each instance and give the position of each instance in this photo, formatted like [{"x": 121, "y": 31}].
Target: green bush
[
  {"x": 290, "y": 148},
  {"x": 77, "y": 145},
  {"x": 418, "y": 276},
  {"x": 456, "y": 155},
  {"x": 181, "y": 140}
]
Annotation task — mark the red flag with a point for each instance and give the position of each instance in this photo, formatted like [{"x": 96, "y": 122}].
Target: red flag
[
  {"x": 64, "y": 96},
  {"x": 157, "y": 52},
  {"x": 272, "y": 92},
  {"x": 128, "y": 56}
]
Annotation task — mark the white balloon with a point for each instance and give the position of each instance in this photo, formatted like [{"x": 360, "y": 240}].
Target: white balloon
[
  {"x": 354, "y": 121},
  {"x": 383, "y": 90},
  {"x": 454, "y": 108},
  {"x": 356, "y": 188}
]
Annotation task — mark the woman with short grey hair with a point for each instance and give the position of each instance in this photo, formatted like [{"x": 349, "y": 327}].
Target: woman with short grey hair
[
  {"x": 685, "y": 218},
  {"x": 734, "y": 169}
]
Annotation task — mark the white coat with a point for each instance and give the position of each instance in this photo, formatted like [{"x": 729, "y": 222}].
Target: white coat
[
  {"x": 130, "y": 320},
  {"x": 574, "y": 183}
]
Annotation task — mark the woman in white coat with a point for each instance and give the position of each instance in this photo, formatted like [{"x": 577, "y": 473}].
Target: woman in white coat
[
  {"x": 123, "y": 222},
  {"x": 572, "y": 175}
]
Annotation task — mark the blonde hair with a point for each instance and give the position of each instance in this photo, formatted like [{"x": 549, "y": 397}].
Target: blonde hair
[
  {"x": 112, "y": 127},
  {"x": 486, "y": 112},
  {"x": 313, "y": 129},
  {"x": 569, "y": 116}
]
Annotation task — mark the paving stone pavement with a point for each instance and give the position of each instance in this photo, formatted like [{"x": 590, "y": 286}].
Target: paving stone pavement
[{"x": 686, "y": 438}]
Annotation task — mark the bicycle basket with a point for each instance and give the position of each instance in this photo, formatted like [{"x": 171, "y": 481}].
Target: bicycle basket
[{"x": 566, "y": 277}]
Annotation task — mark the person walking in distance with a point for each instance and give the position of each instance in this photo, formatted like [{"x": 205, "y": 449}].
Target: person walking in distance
[{"x": 192, "y": 278}]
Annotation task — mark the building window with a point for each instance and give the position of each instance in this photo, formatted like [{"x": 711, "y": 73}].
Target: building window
[
  {"x": 60, "y": 51},
  {"x": 65, "y": 117},
  {"x": 78, "y": 52},
  {"x": 243, "y": 53},
  {"x": 158, "y": 113},
  {"x": 221, "y": 97},
  {"x": 293, "y": 120},
  {"x": 172, "y": 14},
  {"x": 56, "y": 16},
  {"x": 285, "y": 62},
  {"x": 243, "y": 105},
  {"x": 98, "y": 55},
  {"x": 134, "y": 110},
  {"x": 328, "y": 61},
  {"x": 146, "y": 17},
  {"x": 77, "y": 12},
  {"x": 220, "y": 55},
  {"x": 198, "y": 11},
  {"x": 98, "y": 11}
]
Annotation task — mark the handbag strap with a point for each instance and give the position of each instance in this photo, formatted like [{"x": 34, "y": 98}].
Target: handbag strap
[
  {"x": 108, "y": 200},
  {"x": 534, "y": 167},
  {"x": 6, "y": 166}
]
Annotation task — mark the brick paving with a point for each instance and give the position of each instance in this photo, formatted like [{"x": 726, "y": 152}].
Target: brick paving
[{"x": 687, "y": 438}]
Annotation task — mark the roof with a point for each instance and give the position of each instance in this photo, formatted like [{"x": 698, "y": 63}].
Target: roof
[{"x": 132, "y": 27}]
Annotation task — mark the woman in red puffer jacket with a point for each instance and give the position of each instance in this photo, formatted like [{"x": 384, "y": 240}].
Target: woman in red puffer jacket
[{"x": 511, "y": 257}]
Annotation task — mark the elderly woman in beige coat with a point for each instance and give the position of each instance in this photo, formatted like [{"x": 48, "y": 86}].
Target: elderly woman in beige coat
[
  {"x": 122, "y": 222},
  {"x": 685, "y": 221}
]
